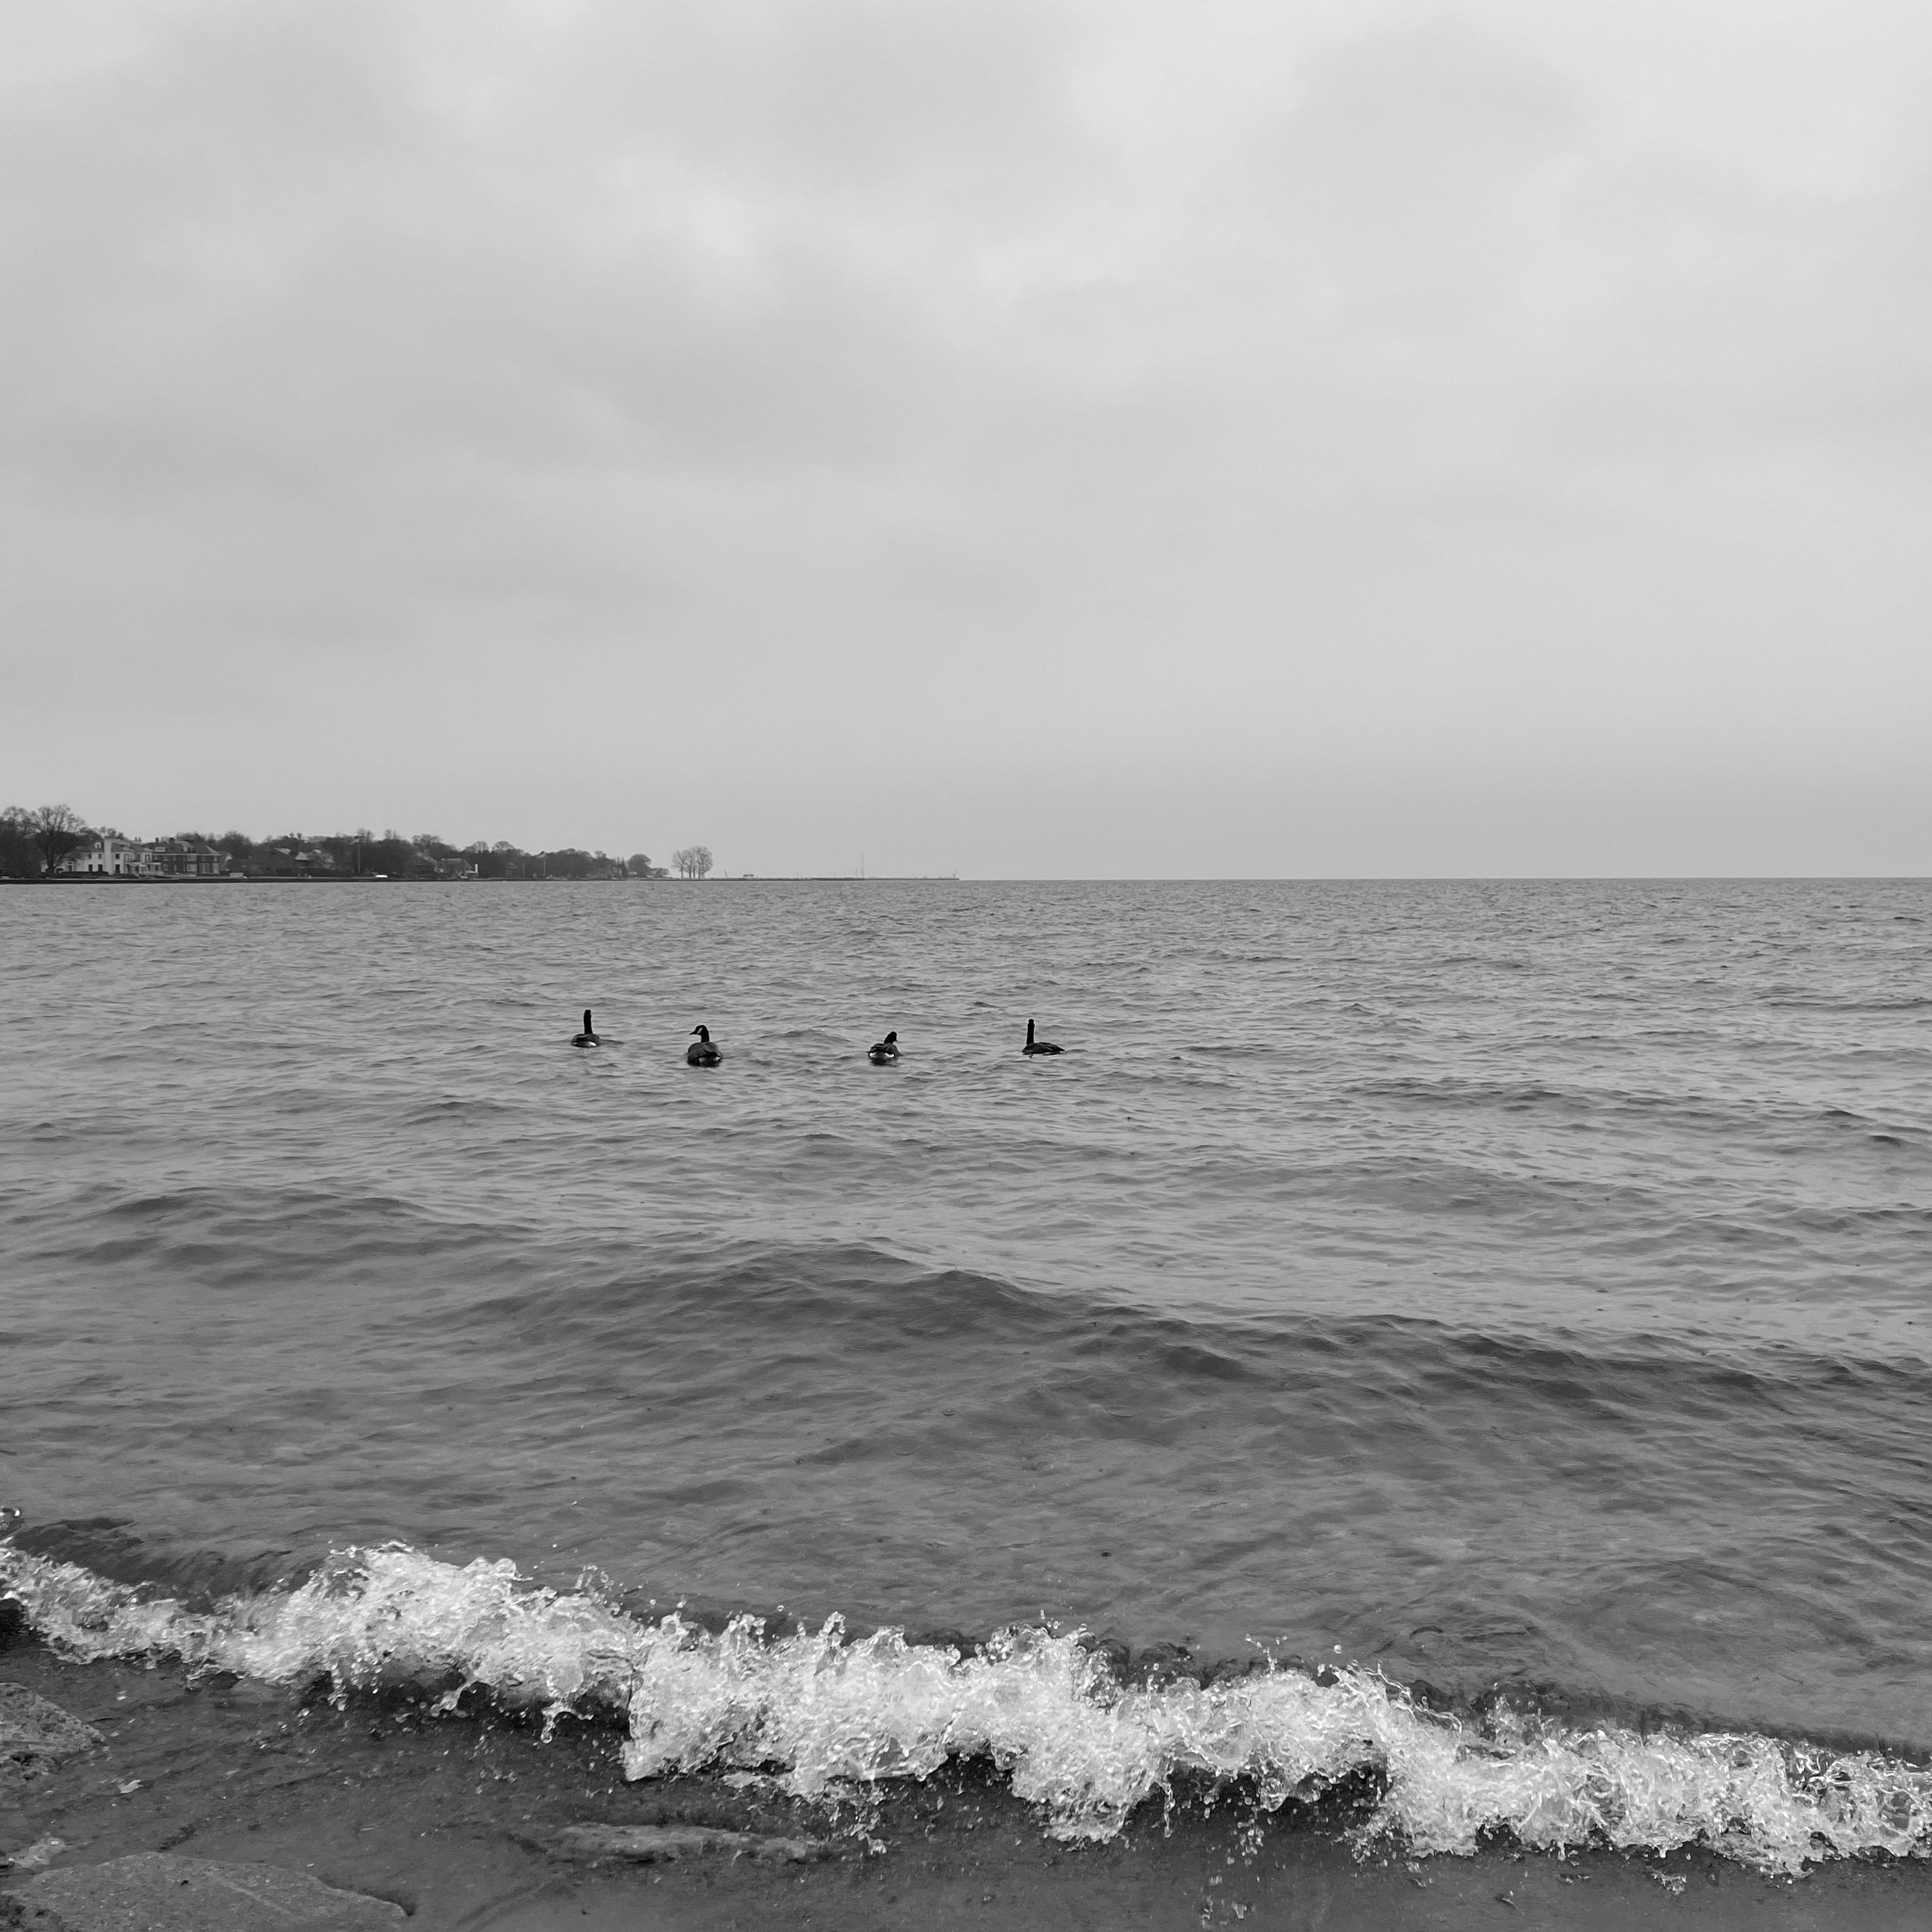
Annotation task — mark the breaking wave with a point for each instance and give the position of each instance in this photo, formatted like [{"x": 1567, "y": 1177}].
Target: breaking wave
[{"x": 831, "y": 1714}]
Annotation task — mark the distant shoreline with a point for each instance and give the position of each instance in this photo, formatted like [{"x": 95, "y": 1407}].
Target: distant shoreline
[{"x": 379, "y": 879}]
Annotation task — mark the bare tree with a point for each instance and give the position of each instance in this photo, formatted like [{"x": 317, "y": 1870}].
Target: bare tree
[
  {"x": 20, "y": 851},
  {"x": 57, "y": 831},
  {"x": 693, "y": 861}
]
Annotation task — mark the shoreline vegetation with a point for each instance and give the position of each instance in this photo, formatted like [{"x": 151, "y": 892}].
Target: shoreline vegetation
[{"x": 53, "y": 842}]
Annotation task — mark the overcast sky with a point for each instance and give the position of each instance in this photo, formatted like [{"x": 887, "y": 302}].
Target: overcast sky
[{"x": 1042, "y": 439}]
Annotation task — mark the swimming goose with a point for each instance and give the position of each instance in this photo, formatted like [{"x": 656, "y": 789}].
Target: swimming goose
[
  {"x": 587, "y": 1037},
  {"x": 1037, "y": 1046},
  {"x": 886, "y": 1052},
  {"x": 700, "y": 1052}
]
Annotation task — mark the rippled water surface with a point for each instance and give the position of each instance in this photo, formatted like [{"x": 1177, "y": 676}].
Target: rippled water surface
[{"x": 1518, "y": 1282}]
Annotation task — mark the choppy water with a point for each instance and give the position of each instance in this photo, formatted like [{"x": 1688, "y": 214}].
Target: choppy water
[{"x": 1524, "y": 1284}]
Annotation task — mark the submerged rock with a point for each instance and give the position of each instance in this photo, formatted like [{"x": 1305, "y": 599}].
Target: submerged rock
[
  {"x": 654, "y": 1844},
  {"x": 35, "y": 1857},
  {"x": 157, "y": 1891},
  {"x": 34, "y": 1731},
  {"x": 1164, "y": 1663}
]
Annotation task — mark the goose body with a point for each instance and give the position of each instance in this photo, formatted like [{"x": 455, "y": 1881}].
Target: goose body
[
  {"x": 1037, "y": 1046},
  {"x": 700, "y": 1052},
  {"x": 885, "y": 1052},
  {"x": 587, "y": 1037}
]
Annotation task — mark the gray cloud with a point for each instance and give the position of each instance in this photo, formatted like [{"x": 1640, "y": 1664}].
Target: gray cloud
[{"x": 1376, "y": 438}]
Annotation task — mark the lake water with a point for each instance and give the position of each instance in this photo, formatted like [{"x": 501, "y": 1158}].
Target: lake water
[{"x": 1519, "y": 1285}]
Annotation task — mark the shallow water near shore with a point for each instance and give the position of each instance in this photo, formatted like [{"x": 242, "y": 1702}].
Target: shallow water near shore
[
  {"x": 466, "y": 1819},
  {"x": 1478, "y": 1286}
]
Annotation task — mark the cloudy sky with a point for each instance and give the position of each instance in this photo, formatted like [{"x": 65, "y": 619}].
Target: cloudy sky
[{"x": 1051, "y": 438}]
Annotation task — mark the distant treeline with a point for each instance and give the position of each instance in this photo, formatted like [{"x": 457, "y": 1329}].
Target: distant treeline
[{"x": 54, "y": 839}]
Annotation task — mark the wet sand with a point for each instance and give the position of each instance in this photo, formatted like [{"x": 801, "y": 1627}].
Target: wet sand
[{"x": 457, "y": 1819}]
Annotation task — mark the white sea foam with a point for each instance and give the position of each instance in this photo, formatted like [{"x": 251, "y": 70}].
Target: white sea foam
[{"x": 830, "y": 1713}]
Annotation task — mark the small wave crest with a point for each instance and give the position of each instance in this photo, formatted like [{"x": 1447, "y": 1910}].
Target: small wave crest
[{"x": 831, "y": 1713}]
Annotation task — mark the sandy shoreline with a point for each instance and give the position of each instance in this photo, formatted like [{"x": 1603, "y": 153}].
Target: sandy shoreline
[{"x": 460, "y": 1819}]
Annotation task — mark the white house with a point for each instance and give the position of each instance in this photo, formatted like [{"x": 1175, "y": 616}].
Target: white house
[{"x": 108, "y": 853}]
